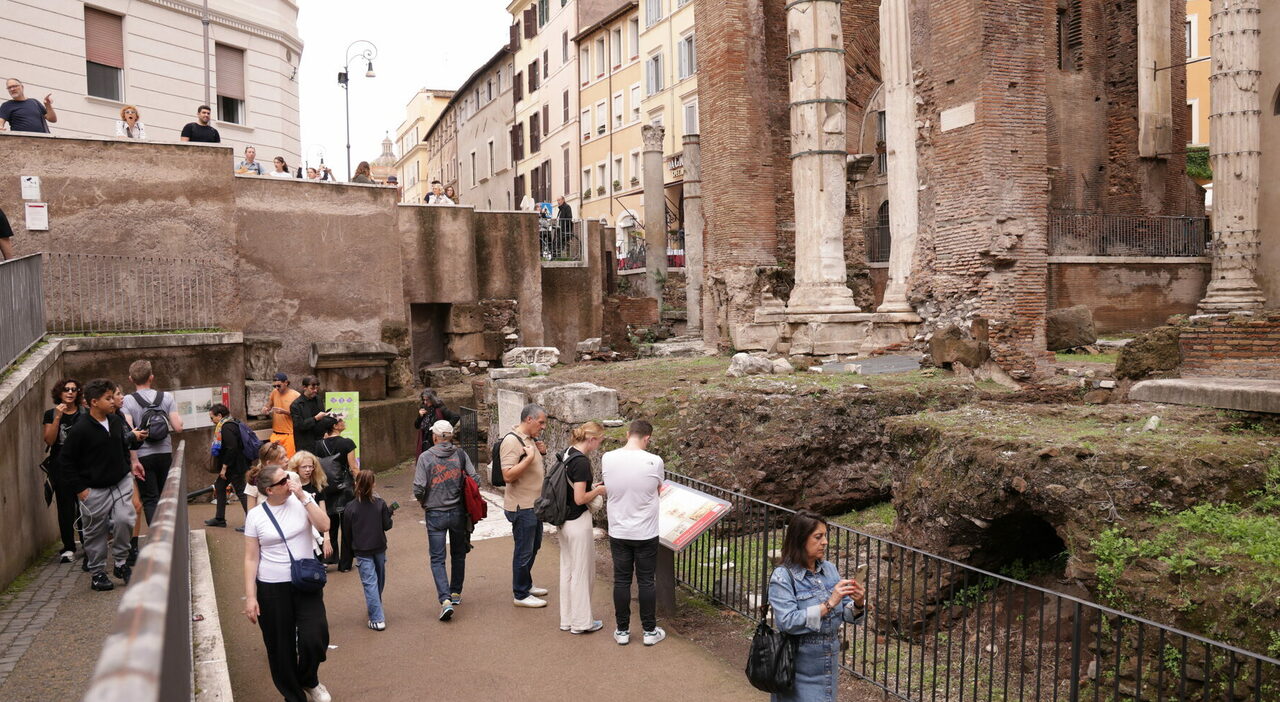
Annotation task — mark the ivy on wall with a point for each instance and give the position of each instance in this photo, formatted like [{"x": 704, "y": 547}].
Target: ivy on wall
[{"x": 1198, "y": 163}]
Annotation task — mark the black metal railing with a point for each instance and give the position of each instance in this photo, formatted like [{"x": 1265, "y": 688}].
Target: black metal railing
[
  {"x": 21, "y": 307},
  {"x": 938, "y": 629},
  {"x": 1091, "y": 234},
  {"x": 147, "y": 657},
  {"x": 632, "y": 255},
  {"x": 561, "y": 239},
  {"x": 469, "y": 434}
]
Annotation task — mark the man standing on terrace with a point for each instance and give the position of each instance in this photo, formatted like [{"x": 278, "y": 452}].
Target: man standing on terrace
[{"x": 23, "y": 114}]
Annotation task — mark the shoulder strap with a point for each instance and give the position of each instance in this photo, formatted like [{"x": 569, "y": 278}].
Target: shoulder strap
[{"x": 279, "y": 531}]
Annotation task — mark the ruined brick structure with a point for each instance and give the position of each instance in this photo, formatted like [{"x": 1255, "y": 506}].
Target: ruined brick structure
[
  {"x": 1024, "y": 107},
  {"x": 1231, "y": 346}
]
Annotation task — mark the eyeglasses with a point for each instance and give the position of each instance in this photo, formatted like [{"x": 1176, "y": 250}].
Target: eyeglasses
[
  {"x": 281, "y": 481},
  {"x": 71, "y": 388},
  {"x": 277, "y": 386}
]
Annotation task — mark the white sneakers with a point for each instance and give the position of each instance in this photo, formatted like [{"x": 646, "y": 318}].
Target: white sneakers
[
  {"x": 538, "y": 591},
  {"x": 653, "y": 637},
  {"x": 67, "y": 556},
  {"x": 318, "y": 693},
  {"x": 622, "y": 637},
  {"x": 596, "y": 625},
  {"x": 531, "y": 602}
]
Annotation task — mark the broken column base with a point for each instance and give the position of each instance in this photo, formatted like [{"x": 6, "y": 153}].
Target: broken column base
[{"x": 850, "y": 333}]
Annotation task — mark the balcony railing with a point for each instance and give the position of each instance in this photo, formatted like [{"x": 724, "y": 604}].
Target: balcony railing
[
  {"x": 560, "y": 241},
  {"x": 632, "y": 255},
  {"x": 1090, "y": 234}
]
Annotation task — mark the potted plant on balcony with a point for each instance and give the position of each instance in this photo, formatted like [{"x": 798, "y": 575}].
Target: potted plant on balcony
[
  {"x": 600, "y": 190},
  {"x": 586, "y": 194},
  {"x": 635, "y": 180},
  {"x": 617, "y": 185}
]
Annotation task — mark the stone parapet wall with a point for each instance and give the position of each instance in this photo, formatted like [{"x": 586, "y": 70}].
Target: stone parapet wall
[{"x": 1232, "y": 346}]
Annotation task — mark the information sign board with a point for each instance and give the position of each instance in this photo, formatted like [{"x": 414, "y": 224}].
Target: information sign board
[{"x": 684, "y": 513}]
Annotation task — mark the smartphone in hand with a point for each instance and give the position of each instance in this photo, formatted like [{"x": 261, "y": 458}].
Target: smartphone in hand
[
  {"x": 860, "y": 575},
  {"x": 394, "y": 506}
]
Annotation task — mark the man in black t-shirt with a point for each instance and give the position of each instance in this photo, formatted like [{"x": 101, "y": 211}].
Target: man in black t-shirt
[
  {"x": 200, "y": 129},
  {"x": 23, "y": 114}
]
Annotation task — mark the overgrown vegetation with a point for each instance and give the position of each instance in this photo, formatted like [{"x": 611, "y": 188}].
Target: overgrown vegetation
[
  {"x": 1198, "y": 163},
  {"x": 1108, "y": 358}
]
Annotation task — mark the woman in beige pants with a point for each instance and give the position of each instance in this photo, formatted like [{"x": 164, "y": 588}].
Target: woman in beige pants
[{"x": 577, "y": 550}]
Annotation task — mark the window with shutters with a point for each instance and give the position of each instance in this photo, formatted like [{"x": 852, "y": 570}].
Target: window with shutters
[
  {"x": 230, "y": 77},
  {"x": 633, "y": 36},
  {"x": 652, "y": 12},
  {"x": 1070, "y": 35},
  {"x": 584, "y": 65},
  {"x": 517, "y": 142},
  {"x": 687, "y": 57},
  {"x": 517, "y": 87},
  {"x": 104, "y": 54},
  {"x": 530, "y": 23},
  {"x": 519, "y": 190},
  {"x": 653, "y": 74},
  {"x": 546, "y": 119},
  {"x": 635, "y": 103},
  {"x": 566, "y": 171},
  {"x": 514, "y": 42},
  {"x": 585, "y": 120},
  {"x": 617, "y": 111},
  {"x": 544, "y": 12},
  {"x": 691, "y": 117},
  {"x": 535, "y": 134},
  {"x": 586, "y": 180},
  {"x": 546, "y": 63},
  {"x": 602, "y": 117},
  {"x": 564, "y": 48},
  {"x": 566, "y": 107},
  {"x": 601, "y": 58},
  {"x": 615, "y": 50},
  {"x": 533, "y": 77}
]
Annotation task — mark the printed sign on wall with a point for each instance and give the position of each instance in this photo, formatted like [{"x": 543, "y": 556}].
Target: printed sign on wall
[{"x": 347, "y": 404}]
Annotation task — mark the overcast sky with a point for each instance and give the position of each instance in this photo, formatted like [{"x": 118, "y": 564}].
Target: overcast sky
[{"x": 421, "y": 44}]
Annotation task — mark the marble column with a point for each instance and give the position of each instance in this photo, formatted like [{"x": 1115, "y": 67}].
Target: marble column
[
  {"x": 1235, "y": 152},
  {"x": 693, "y": 226},
  {"x": 819, "y": 153},
  {"x": 900, "y": 147},
  {"x": 655, "y": 211}
]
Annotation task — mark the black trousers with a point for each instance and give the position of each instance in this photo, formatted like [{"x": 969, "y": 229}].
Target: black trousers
[
  {"x": 68, "y": 511},
  {"x": 295, "y": 631},
  {"x": 340, "y": 539},
  {"x": 220, "y": 493},
  {"x": 640, "y": 557},
  {"x": 157, "y": 471}
]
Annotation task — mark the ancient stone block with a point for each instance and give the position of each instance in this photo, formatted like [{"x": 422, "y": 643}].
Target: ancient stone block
[
  {"x": 465, "y": 319},
  {"x": 747, "y": 364},
  {"x": 951, "y": 346},
  {"x": 440, "y": 376},
  {"x": 579, "y": 402},
  {"x": 483, "y": 346},
  {"x": 524, "y": 355},
  {"x": 1153, "y": 352},
  {"x": 256, "y": 393},
  {"x": 260, "y": 354},
  {"x": 1069, "y": 327},
  {"x": 505, "y": 373},
  {"x": 589, "y": 345}
]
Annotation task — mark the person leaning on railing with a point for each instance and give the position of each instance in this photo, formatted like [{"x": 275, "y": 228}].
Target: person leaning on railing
[{"x": 810, "y": 602}]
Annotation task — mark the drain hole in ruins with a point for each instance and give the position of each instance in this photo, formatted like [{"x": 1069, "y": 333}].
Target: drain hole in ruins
[{"x": 1021, "y": 546}]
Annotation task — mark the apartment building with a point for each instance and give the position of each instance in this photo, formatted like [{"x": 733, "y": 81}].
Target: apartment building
[
  {"x": 609, "y": 119},
  {"x": 544, "y": 136},
  {"x": 1197, "y": 29},
  {"x": 668, "y": 52},
  {"x": 412, "y": 168},
  {"x": 485, "y": 117},
  {"x": 165, "y": 57}
]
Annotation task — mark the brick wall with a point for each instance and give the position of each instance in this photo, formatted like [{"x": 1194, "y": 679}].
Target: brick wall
[
  {"x": 1127, "y": 297},
  {"x": 621, "y": 312},
  {"x": 1229, "y": 346}
]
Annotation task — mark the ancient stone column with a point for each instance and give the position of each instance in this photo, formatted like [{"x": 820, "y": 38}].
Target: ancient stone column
[
  {"x": 1235, "y": 152},
  {"x": 693, "y": 226},
  {"x": 818, "y": 157},
  {"x": 655, "y": 211},
  {"x": 900, "y": 147}
]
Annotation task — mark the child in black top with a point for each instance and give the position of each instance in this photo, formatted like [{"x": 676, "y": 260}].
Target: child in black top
[{"x": 369, "y": 518}]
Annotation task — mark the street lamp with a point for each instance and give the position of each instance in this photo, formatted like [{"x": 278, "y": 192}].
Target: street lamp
[{"x": 368, "y": 54}]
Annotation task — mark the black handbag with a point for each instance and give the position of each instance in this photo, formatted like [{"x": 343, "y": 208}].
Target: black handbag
[
  {"x": 307, "y": 574},
  {"x": 771, "y": 663}
]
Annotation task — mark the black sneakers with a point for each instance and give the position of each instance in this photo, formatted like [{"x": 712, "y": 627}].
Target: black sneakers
[
  {"x": 101, "y": 582},
  {"x": 124, "y": 572},
  {"x": 215, "y": 522}
]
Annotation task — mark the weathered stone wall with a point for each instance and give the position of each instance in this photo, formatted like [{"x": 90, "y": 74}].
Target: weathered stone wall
[
  {"x": 1128, "y": 296},
  {"x": 508, "y": 267},
  {"x": 1229, "y": 346},
  {"x": 573, "y": 299}
]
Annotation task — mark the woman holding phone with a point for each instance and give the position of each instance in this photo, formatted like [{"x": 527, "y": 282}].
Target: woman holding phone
[{"x": 810, "y": 602}]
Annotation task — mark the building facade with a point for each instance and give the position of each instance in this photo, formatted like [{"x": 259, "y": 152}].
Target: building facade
[
  {"x": 609, "y": 78},
  {"x": 442, "y": 150},
  {"x": 484, "y": 120},
  {"x": 544, "y": 135},
  {"x": 412, "y": 168},
  {"x": 1196, "y": 29},
  {"x": 669, "y": 57},
  {"x": 159, "y": 56}
]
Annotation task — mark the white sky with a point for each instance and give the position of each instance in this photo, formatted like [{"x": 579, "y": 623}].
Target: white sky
[{"x": 421, "y": 44}]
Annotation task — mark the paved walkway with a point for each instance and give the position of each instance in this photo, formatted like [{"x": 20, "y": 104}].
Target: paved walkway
[{"x": 491, "y": 649}]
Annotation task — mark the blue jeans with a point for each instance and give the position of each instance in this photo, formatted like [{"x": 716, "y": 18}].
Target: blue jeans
[
  {"x": 373, "y": 576},
  {"x": 454, "y": 525},
  {"x": 527, "y": 532}
]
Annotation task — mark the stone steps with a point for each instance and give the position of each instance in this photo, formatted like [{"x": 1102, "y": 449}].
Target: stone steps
[{"x": 1246, "y": 395}]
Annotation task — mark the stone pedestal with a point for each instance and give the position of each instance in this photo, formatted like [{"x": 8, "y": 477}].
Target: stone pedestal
[{"x": 360, "y": 366}]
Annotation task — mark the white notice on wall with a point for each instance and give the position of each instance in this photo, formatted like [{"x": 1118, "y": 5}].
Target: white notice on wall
[
  {"x": 30, "y": 187},
  {"x": 37, "y": 217}
]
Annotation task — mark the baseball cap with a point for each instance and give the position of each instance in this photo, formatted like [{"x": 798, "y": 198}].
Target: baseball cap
[
  {"x": 281, "y": 377},
  {"x": 442, "y": 426}
]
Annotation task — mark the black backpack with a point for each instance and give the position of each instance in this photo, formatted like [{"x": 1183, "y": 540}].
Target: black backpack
[
  {"x": 495, "y": 461},
  {"x": 552, "y": 506},
  {"x": 250, "y": 444},
  {"x": 154, "y": 419},
  {"x": 339, "y": 489}
]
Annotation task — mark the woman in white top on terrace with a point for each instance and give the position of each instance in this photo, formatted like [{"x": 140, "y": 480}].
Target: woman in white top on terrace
[
  {"x": 130, "y": 124},
  {"x": 294, "y": 626},
  {"x": 281, "y": 168}
]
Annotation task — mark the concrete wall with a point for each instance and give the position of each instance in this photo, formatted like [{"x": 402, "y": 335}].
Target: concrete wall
[
  {"x": 573, "y": 299},
  {"x": 509, "y": 267},
  {"x": 29, "y": 525},
  {"x": 1129, "y": 296},
  {"x": 387, "y": 436}
]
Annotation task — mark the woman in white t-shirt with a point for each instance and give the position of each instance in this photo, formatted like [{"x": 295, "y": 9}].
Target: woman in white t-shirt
[{"x": 294, "y": 626}]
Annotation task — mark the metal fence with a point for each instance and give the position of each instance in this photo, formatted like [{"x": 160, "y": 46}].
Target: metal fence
[
  {"x": 21, "y": 307},
  {"x": 631, "y": 256},
  {"x": 1087, "y": 234},
  {"x": 87, "y": 293},
  {"x": 147, "y": 656},
  {"x": 937, "y": 629},
  {"x": 560, "y": 239},
  {"x": 878, "y": 243},
  {"x": 469, "y": 434}
]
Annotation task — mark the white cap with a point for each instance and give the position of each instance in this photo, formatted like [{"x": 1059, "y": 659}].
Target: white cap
[{"x": 442, "y": 427}]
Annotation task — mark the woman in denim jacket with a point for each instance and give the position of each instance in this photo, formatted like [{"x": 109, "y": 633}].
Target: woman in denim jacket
[{"x": 810, "y": 602}]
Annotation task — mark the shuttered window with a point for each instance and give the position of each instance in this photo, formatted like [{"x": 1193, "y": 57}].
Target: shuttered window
[
  {"x": 104, "y": 54},
  {"x": 230, "y": 75}
]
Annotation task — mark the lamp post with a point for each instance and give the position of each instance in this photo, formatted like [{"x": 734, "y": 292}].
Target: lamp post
[{"x": 368, "y": 54}]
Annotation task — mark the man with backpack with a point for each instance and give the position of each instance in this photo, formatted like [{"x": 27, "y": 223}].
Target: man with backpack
[
  {"x": 231, "y": 452},
  {"x": 520, "y": 457},
  {"x": 439, "y": 485},
  {"x": 154, "y": 411}
]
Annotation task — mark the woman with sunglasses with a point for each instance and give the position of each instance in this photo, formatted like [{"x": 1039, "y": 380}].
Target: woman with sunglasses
[
  {"x": 129, "y": 125},
  {"x": 295, "y": 629},
  {"x": 68, "y": 406}
]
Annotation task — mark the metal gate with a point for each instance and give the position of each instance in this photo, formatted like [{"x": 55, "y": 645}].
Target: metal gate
[{"x": 469, "y": 433}]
